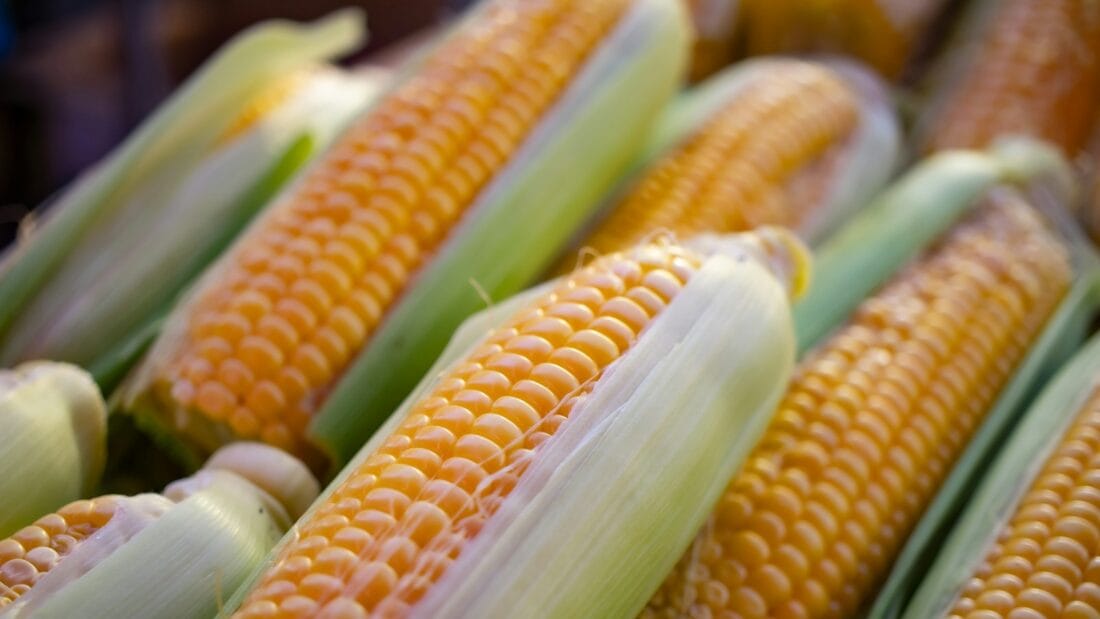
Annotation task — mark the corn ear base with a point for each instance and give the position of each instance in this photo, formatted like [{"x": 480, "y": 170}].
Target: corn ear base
[
  {"x": 520, "y": 220},
  {"x": 173, "y": 161},
  {"x": 54, "y": 424}
]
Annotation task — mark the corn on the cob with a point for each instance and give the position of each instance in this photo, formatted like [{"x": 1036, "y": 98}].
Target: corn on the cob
[
  {"x": 872, "y": 423},
  {"x": 54, "y": 425},
  {"x": 470, "y": 486},
  {"x": 119, "y": 246},
  {"x": 883, "y": 33},
  {"x": 172, "y": 555},
  {"x": 1020, "y": 67},
  {"x": 780, "y": 142},
  {"x": 467, "y": 171},
  {"x": 1027, "y": 545}
]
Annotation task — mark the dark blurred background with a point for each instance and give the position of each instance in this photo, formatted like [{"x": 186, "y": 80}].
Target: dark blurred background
[{"x": 77, "y": 75}]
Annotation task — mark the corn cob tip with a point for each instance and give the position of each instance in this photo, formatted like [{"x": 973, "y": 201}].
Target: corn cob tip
[
  {"x": 784, "y": 254},
  {"x": 1026, "y": 160},
  {"x": 54, "y": 422},
  {"x": 284, "y": 478}
]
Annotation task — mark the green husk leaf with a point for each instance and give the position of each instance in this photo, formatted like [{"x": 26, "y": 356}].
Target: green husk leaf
[
  {"x": 522, "y": 218},
  {"x": 61, "y": 299},
  {"x": 723, "y": 349},
  {"x": 1021, "y": 458},
  {"x": 54, "y": 424},
  {"x": 898, "y": 224}
]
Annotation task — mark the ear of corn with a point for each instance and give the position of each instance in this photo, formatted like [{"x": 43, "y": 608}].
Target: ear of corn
[
  {"x": 1018, "y": 67},
  {"x": 924, "y": 202},
  {"x": 1027, "y": 542},
  {"x": 771, "y": 142},
  {"x": 561, "y": 433},
  {"x": 118, "y": 246},
  {"x": 872, "y": 423},
  {"x": 1066, "y": 328},
  {"x": 177, "y": 555},
  {"x": 54, "y": 425},
  {"x": 402, "y": 224},
  {"x": 883, "y": 33}
]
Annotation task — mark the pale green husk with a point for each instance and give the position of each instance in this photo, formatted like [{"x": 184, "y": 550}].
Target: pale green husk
[
  {"x": 157, "y": 558},
  {"x": 118, "y": 245},
  {"x": 1021, "y": 458},
  {"x": 54, "y": 427},
  {"x": 598, "y": 519},
  {"x": 904, "y": 219},
  {"x": 521, "y": 220}
]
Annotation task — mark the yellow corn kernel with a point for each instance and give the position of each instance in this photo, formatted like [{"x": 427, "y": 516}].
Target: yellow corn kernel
[
  {"x": 391, "y": 529},
  {"x": 307, "y": 289},
  {"x": 758, "y": 161},
  {"x": 34, "y": 550},
  {"x": 1046, "y": 559},
  {"x": 871, "y": 425},
  {"x": 1035, "y": 71}
]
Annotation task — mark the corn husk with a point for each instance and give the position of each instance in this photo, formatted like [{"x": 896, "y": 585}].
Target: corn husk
[
  {"x": 88, "y": 285},
  {"x": 178, "y": 555},
  {"x": 54, "y": 426}
]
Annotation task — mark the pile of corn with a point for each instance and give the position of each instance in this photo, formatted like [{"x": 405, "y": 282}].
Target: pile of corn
[{"x": 529, "y": 329}]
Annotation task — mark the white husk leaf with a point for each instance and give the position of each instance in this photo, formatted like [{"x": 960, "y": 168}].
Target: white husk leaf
[
  {"x": 54, "y": 425},
  {"x": 605, "y": 509}
]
